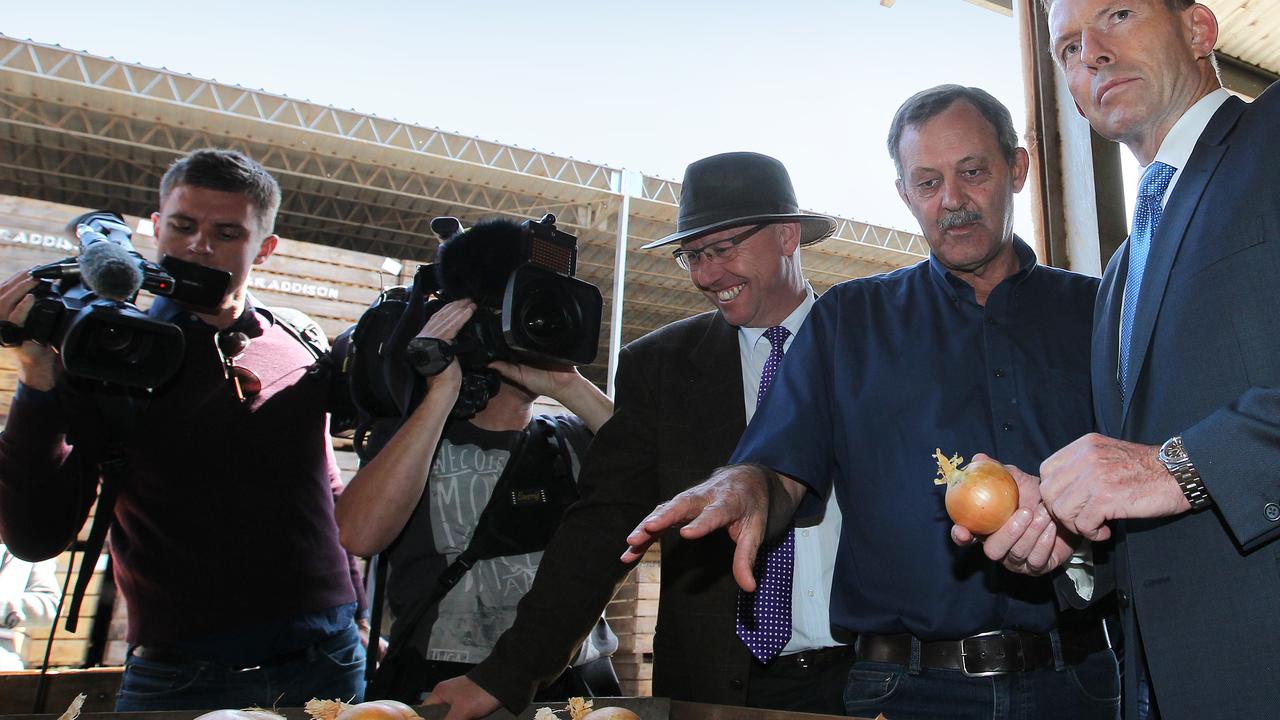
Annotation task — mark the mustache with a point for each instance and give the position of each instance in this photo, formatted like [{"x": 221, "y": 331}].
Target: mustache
[{"x": 956, "y": 218}]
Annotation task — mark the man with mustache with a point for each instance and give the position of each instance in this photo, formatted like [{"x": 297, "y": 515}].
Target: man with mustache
[{"x": 978, "y": 349}]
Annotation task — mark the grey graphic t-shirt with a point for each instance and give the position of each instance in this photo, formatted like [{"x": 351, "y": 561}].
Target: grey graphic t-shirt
[{"x": 465, "y": 625}]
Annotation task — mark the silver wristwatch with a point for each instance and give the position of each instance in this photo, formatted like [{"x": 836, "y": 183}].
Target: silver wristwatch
[{"x": 1174, "y": 456}]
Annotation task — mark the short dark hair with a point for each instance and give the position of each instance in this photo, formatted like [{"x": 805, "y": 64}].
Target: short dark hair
[
  {"x": 227, "y": 171},
  {"x": 927, "y": 104},
  {"x": 1175, "y": 5}
]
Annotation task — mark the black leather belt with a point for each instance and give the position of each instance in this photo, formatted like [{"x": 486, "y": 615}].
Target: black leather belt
[
  {"x": 992, "y": 653},
  {"x": 809, "y": 659}
]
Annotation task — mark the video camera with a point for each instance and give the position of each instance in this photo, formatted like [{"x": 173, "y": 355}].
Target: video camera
[
  {"x": 530, "y": 309},
  {"x": 529, "y": 306},
  {"x": 85, "y": 307}
]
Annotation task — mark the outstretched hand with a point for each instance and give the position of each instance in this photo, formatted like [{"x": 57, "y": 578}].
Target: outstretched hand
[{"x": 736, "y": 498}]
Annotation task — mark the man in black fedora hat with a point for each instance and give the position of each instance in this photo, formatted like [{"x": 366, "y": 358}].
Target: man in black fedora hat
[
  {"x": 684, "y": 395},
  {"x": 977, "y": 349}
]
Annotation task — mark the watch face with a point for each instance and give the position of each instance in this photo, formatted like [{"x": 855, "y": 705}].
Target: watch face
[{"x": 1173, "y": 451}]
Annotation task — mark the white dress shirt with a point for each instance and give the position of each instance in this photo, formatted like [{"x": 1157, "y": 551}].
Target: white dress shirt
[{"x": 815, "y": 545}]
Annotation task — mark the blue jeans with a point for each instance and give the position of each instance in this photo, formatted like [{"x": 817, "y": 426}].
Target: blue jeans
[
  {"x": 1087, "y": 691},
  {"x": 331, "y": 668}
]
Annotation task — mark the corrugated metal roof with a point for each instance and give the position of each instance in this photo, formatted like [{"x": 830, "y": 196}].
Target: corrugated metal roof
[{"x": 1249, "y": 30}]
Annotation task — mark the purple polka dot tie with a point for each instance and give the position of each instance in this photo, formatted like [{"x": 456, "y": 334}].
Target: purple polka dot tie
[
  {"x": 764, "y": 616},
  {"x": 1146, "y": 217}
]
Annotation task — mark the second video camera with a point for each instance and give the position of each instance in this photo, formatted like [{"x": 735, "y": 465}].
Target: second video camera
[{"x": 530, "y": 309}]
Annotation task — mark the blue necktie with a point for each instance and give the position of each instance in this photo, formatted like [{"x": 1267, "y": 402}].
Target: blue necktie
[
  {"x": 764, "y": 616},
  {"x": 1146, "y": 218}
]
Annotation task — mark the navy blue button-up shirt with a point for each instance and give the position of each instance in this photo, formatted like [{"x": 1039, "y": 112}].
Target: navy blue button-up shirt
[{"x": 888, "y": 368}]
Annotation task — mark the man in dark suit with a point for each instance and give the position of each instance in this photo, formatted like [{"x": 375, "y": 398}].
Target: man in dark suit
[
  {"x": 683, "y": 397},
  {"x": 1186, "y": 364}
]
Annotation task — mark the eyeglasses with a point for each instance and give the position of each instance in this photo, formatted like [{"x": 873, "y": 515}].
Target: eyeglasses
[
  {"x": 231, "y": 345},
  {"x": 716, "y": 252}
]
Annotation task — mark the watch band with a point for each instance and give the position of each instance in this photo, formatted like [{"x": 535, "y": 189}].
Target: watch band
[
  {"x": 429, "y": 356},
  {"x": 1175, "y": 459}
]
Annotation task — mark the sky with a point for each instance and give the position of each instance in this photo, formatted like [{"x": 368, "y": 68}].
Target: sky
[{"x": 646, "y": 86}]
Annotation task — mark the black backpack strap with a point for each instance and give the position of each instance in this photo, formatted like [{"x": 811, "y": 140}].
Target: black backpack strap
[
  {"x": 561, "y": 442},
  {"x": 377, "y": 593},
  {"x": 543, "y": 439},
  {"x": 406, "y": 626},
  {"x": 459, "y": 567}
]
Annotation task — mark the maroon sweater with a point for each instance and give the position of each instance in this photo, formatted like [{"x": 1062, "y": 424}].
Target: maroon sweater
[{"x": 226, "y": 518}]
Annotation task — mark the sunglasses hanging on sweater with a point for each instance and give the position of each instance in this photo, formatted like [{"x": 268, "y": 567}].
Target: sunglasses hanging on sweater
[{"x": 231, "y": 345}]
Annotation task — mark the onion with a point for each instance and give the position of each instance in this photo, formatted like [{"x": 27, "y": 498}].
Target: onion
[
  {"x": 247, "y": 714},
  {"x": 981, "y": 497},
  {"x": 372, "y": 710},
  {"x": 378, "y": 710},
  {"x": 611, "y": 713}
]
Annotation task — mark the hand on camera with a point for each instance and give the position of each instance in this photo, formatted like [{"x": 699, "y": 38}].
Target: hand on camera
[
  {"x": 36, "y": 362},
  {"x": 541, "y": 381},
  {"x": 444, "y": 325}
]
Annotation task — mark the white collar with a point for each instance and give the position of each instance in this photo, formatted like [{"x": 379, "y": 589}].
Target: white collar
[
  {"x": 792, "y": 322},
  {"x": 1181, "y": 141}
]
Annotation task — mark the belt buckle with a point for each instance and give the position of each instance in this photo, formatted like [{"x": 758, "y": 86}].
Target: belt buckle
[{"x": 965, "y": 655}]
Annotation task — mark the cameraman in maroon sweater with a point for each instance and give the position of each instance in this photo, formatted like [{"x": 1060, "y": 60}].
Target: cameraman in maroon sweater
[{"x": 224, "y": 542}]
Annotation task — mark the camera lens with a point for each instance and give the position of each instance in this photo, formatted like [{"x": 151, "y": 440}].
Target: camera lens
[
  {"x": 547, "y": 319},
  {"x": 121, "y": 343}
]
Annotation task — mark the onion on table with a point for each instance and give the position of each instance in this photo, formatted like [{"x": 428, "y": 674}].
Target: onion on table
[
  {"x": 981, "y": 497},
  {"x": 245, "y": 714},
  {"x": 611, "y": 713},
  {"x": 579, "y": 708},
  {"x": 371, "y": 710}
]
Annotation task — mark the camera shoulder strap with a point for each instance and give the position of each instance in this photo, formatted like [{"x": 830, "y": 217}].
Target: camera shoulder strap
[
  {"x": 118, "y": 414},
  {"x": 301, "y": 327},
  {"x": 456, "y": 569}
]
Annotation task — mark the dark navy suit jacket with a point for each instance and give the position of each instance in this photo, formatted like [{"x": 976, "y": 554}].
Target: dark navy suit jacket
[{"x": 1202, "y": 590}]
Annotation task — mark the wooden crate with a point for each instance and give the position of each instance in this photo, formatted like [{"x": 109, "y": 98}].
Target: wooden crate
[
  {"x": 68, "y": 648},
  {"x": 18, "y": 690},
  {"x": 633, "y": 615}
]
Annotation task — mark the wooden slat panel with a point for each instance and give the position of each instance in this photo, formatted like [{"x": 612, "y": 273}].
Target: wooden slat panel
[
  {"x": 18, "y": 689},
  {"x": 68, "y": 648}
]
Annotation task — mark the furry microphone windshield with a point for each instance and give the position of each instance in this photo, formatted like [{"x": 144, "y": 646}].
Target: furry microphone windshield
[
  {"x": 111, "y": 271},
  {"x": 476, "y": 263}
]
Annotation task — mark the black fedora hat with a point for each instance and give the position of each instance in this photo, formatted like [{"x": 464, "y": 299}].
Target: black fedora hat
[{"x": 740, "y": 188}]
